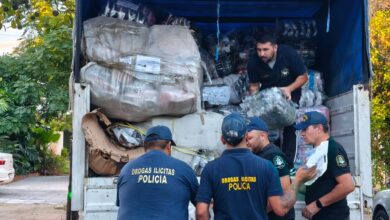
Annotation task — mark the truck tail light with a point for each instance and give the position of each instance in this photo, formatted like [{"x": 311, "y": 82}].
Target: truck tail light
[{"x": 2, "y": 162}]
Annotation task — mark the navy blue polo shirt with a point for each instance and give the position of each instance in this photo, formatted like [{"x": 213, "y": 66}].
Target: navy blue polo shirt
[
  {"x": 288, "y": 66},
  {"x": 272, "y": 153},
  {"x": 240, "y": 183},
  {"x": 155, "y": 186},
  {"x": 338, "y": 164}
]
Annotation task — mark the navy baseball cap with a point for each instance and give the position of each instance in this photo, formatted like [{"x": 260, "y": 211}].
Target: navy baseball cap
[
  {"x": 311, "y": 118},
  {"x": 256, "y": 123},
  {"x": 233, "y": 128},
  {"x": 158, "y": 133}
]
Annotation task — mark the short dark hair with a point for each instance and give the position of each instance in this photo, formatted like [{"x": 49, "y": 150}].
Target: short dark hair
[
  {"x": 235, "y": 142},
  {"x": 325, "y": 128},
  {"x": 265, "y": 38},
  {"x": 155, "y": 144}
]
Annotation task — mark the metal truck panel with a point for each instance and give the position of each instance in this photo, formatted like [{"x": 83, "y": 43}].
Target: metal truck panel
[{"x": 81, "y": 106}]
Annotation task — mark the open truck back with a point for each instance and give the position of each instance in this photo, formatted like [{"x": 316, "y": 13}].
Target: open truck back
[{"x": 342, "y": 56}]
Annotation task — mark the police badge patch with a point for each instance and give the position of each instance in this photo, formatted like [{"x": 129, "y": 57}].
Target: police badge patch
[
  {"x": 341, "y": 162},
  {"x": 279, "y": 162},
  {"x": 285, "y": 72}
]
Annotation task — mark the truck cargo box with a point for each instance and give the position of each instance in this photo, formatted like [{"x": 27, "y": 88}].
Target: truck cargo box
[{"x": 342, "y": 55}]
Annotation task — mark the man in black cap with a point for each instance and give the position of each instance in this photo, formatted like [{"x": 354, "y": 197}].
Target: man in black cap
[
  {"x": 326, "y": 197},
  {"x": 241, "y": 183},
  {"x": 156, "y": 186},
  {"x": 258, "y": 141}
]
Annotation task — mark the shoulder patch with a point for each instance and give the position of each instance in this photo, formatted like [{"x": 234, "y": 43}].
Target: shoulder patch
[
  {"x": 341, "y": 162},
  {"x": 278, "y": 162}
]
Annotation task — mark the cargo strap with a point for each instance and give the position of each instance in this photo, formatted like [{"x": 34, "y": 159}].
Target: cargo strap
[{"x": 186, "y": 150}]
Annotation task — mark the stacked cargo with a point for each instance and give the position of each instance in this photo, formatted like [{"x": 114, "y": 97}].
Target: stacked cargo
[{"x": 144, "y": 67}]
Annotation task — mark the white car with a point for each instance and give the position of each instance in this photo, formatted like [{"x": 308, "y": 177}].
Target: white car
[
  {"x": 7, "y": 171},
  {"x": 382, "y": 204}
]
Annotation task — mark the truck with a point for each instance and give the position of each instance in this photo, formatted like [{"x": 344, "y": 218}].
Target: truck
[{"x": 343, "y": 56}]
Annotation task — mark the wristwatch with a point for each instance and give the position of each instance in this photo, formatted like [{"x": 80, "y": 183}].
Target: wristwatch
[{"x": 319, "y": 204}]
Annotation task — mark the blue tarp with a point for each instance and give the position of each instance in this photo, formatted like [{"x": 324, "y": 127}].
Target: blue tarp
[{"x": 342, "y": 53}]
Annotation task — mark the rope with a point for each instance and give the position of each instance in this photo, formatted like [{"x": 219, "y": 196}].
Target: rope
[{"x": 218, "y": 32}]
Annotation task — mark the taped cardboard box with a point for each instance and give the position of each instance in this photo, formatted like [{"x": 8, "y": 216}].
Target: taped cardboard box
[{"x": 105, "y": 157}]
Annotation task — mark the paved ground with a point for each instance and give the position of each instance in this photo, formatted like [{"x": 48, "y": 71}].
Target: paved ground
[
  {"x": 34, "y": 198},
  {"x": 39, "y": 198}
]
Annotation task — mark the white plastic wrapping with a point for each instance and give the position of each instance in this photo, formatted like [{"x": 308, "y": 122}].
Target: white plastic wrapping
[
  {"x": 271, "y": 105},
  {"x": 137, "y": 96},
  {"x": 139, "y": 72},
  {"x": 238, "y": 84},
  {"x": 126, "y": 135},
  {"x": 312, "y": 90},
  {"x": 216, "y": 95},
  {"x": 114, "y": 42}
]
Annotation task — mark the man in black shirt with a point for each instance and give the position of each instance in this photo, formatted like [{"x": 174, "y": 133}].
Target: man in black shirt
[
  {"x": 258, "y": 141},
  {"x": 326, "y": 197},
  {"x": 280, "y": 66}
]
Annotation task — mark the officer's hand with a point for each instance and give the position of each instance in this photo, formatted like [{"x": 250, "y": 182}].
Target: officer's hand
[
  {"x": 286, "y": 92},
  {"x": 310, "y": 210},
  {"x": 305, "y": 174}
]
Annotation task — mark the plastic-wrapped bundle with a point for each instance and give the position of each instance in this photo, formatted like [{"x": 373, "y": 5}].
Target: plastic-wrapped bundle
[
  {"x": 238, "y": 84},
  {"x": 239, "y": 89},
  {"x": 224, "y": 65},
  {"x": 216, "y": 95},
  {"x": 173, "y": 20},
  {"x": 201, "y": 158},
  {"x": 312, "y": 91},
  {"x": 127, "y": 10},
  {"x": 271, "y": 105},
  {"x": 299, "y": 28},
  {"x": 304, "y": 150},
  {"x": 171, "y": 49},
  {"x": 208, "y": 66},
  {"x": 137, "y": 96},
  {"x": 126, "y": 135}
]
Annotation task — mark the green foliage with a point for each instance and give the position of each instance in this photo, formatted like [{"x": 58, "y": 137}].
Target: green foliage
[
  {"x": 37, "y": 15},
  {"x": 26, "y": 156},
  {"x": 54, "y": 165},
  {"x": 380, "y": 119},
  {"x": 34, "y": 99}
]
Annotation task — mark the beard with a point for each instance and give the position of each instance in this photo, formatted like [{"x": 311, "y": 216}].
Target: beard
[{"x": 268, "y": 59}]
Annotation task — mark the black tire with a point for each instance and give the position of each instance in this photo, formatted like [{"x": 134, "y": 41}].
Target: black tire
[{"x": 381, "y": 215}]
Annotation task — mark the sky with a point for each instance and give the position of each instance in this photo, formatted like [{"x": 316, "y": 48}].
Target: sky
[{"x": 9, "y": 39}]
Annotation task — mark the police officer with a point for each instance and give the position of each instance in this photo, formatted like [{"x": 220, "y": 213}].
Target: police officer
[
  {"x": 241, "y": 183},
  {"x": 258, "y": 141},
  {"x": 156, "y": 186},
  {"x": 276, "y": 65},
  {"x": 326, "y": 197}
]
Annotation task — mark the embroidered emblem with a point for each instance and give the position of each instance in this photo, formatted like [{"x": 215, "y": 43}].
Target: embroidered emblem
[
  {"x": 305, "y": 117},
  {"x": 279, "y": 162},
  {"x": 341, "y": 162},
  {"x": 285, "y": 72}
]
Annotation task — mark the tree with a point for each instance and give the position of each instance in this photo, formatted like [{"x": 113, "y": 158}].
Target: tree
[
  {"x": 34, "y": 82},
  {"x": 37, "y": 15},
  {"x": 380, "y": 119}
]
